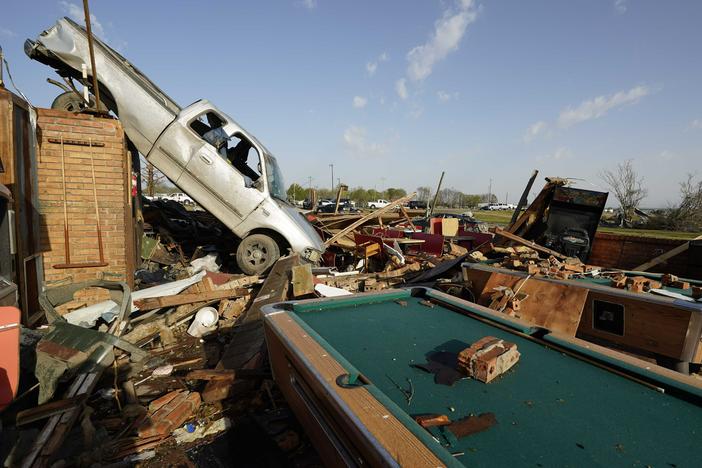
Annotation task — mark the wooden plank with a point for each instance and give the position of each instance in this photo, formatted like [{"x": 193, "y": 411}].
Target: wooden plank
[
  {"x": 520, "y": 240},
  {"x": 145, "y": 332},
  {"x": 183, "y": 299},
  {"x": 365, "y": 218},
  {"x": 247, "y": 343},
  {"x": 665, "y": 256},
  {"x": 302, "y": 280},
  {"x": 211, "y": 374},
  {"x": 522, "y": 200}
]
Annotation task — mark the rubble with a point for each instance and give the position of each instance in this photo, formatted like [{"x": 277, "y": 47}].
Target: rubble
[{"x": 166, "y": 353}]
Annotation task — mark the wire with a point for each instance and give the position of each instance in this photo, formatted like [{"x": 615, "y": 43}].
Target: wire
[{"x": 9, "y": 74}]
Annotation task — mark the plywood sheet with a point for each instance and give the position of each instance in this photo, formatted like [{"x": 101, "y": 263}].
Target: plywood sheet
[{"x": 550, "y": 305}]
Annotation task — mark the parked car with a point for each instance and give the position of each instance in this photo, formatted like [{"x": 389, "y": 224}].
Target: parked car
[
  {"x": 206, "y": 153},
  {"x": 380, "y": 203},
  {"x": 417, "y": 205},
  {"x": 343, "y": 207},
  {"x": 178, "y": 197}
]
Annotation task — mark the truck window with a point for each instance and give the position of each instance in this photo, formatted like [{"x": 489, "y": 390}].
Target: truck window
[
  {"x": 235, "y": 149},
  {"x": 242, "y": 154}
]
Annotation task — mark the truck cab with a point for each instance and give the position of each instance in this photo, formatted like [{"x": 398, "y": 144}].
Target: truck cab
[{"x": 202, "y": 150}]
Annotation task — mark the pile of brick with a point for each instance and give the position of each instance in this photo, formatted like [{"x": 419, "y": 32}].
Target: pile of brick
[{"x": 525, "y": 258}]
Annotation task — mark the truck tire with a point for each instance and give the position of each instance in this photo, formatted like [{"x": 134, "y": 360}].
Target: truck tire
[
  {"x": 71, "y": 102},
  {"x": 372, "y": 207},
  {"x": 256, "y": 254}
]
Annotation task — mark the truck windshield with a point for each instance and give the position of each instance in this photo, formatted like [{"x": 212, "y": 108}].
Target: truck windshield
[{"x": 276, "y": 185}]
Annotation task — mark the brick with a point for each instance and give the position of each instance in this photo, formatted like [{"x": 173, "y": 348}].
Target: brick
[{"x": 488, "y": 358}]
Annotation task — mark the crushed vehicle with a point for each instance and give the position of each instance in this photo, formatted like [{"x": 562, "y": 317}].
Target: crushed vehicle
[{"x": 202, "y": 150}]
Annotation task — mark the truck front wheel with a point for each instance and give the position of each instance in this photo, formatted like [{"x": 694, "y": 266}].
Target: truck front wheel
[{"x": 256, "y": 254}]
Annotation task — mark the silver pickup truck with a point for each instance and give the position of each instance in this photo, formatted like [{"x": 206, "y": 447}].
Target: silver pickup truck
[{"x": 199, "y": 148}]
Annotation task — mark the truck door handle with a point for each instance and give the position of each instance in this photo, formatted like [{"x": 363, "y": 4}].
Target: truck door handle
[{"x": 206, "y": 159}]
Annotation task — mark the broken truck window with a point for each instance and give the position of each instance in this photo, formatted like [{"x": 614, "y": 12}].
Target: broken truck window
[{"x": 241, "y": 154}]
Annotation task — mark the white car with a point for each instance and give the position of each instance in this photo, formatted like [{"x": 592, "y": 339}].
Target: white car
[
  {"x": 380, "y": 203},
  {"x": 178, "y": 197}
]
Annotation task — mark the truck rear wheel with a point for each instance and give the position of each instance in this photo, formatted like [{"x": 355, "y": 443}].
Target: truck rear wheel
[{"x": 256, "y": 254}]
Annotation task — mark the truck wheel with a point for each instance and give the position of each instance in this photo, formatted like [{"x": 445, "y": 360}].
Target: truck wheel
[
  {"x": 71, "y": 102},
  {"x": 372, "y": 207},
  {"x": 256, "y": 254}
]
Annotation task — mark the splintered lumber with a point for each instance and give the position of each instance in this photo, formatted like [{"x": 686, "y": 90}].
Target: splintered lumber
[
  {"x": 665, "y": 256},
  {"x": 365, "y": 218},
  {"x": 245, "y": 350},
  {"x": 211, "y": 374},
  {"x": 520, "y": 240},
  {"x": 49, "y": 409},
  {"x": 182, "y": 299},
  {"x": 522, "y": 200},
  {"x": 144, "y": 332}
]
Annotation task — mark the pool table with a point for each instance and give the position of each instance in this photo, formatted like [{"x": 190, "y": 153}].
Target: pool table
[{"x": 345, "y": 365}]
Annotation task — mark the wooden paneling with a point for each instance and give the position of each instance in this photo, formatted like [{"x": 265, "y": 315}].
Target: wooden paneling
[
  {"x": 650, "y": 326},
  {"x": 554, "y": 306}
]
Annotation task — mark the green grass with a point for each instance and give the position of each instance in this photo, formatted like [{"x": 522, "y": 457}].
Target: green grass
[
  {"x": 650, "y": 233},
  {"x": 502, "y": 218}
]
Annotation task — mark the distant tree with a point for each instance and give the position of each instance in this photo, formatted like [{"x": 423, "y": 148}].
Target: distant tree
[
  {"x": 395, "y": 193},
  {"x": 154, "y": 181},
  {"x": 423, "y": 193},
  {"x": 627, "y": 187},
  {"x": 471, "y": 201},
  {"x": 297, "y": 192},
  {"x": 488, "y": 198},
  {"x": 687, "y": 216}
]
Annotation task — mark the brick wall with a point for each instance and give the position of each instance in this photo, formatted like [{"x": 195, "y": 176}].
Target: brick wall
[
  {"x": 627, "y": 252},
  {"x": 112, "y": 176}
]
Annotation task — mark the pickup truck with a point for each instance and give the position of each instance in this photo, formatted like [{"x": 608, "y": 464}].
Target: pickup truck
[
  {"x": 380, "y": 203},
  {"x": 179, "y": 197},
  {"x": 202, "y": 150}
]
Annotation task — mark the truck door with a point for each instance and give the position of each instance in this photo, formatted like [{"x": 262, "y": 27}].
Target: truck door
[{"x": 226, "y": 190}]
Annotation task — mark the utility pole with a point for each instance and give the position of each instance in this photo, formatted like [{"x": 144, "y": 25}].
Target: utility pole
[
  {"x": 332, "y": 174},
  {"x": 490, "y": 192}
]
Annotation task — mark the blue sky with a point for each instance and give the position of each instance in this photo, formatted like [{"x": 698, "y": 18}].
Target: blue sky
[{"x": 394, "y": 92}]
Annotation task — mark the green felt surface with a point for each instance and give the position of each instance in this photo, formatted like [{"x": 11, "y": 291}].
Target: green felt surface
[{"x": 552, "y": 409}]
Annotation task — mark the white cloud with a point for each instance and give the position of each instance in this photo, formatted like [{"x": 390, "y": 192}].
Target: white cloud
[
  {"x": 401, "y": 88},
  {"x": 359, "y": 102},
  {"x": 355, "y": 139},
  {"x": 448, "y": 32},
  {"x": 309, "y": 4},
  {"x": 444, "y": 96},
  {"x": 6, "y": 32},
  {"x": 371, "y": 67},
  {"x": 599, "y": 106},
  {"x": 696, "y": 124},
  {"x": 620, "y": 6},
  {"x": 559, "y": 154},
  {"x": 535, "y": 130},
  {"x": 75, "y": 12}
]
